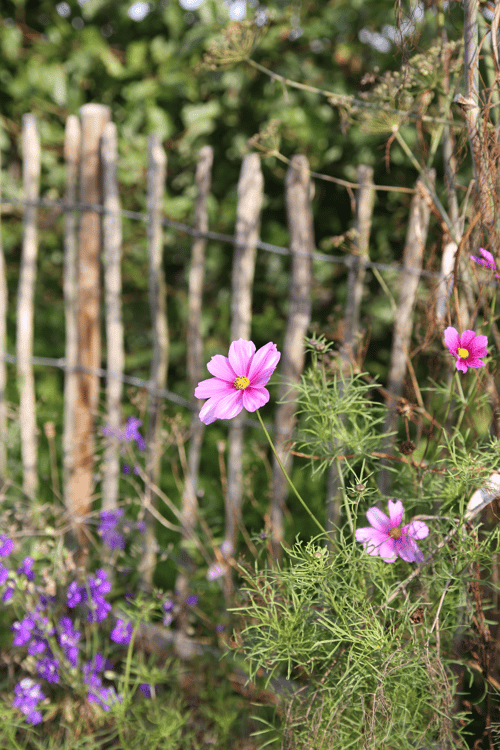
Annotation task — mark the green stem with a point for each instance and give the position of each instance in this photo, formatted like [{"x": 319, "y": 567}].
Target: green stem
[
  {"x": 287, "y": 477},
  {"x": 449, "y": 400},
  {"x": 346, "y": 501}
]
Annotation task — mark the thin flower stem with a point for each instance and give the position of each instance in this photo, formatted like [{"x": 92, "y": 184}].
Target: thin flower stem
[
  {"x": 287, "y": 477},
  {"x": 346, "y": 501}
]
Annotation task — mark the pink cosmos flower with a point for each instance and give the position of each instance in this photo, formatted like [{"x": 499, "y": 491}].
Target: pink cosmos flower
[
  {"x": 239, "y": 380},
  {"x": 487, "y": 260},
  {"x": 467, "y": 348},
  {"x": 384, "y": 537}
]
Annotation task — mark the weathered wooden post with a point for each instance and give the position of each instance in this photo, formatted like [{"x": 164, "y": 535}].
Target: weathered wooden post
[
  {"x": 194, "y": 357},
  {"x": 365, "y": 198},
  {"x": 157, "y": 166},
  {"x": 413, "y": 254},
  {"x": 112, "y": 258},
  {"x": 25, "y": 310},
  {"x": 93, "y": 119},
  {"x": 250, "y": 194},
  {"x": 72, "y": 139},
  {"x": 301, "y": 230}
]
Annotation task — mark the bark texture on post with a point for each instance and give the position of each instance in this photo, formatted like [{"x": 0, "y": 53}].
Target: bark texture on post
[
  {"x": 25, "y": 310},
  {"x": 469, "y": 105},
  {"x": 157, "y": 167},
  {"x": 413, "y": 254},
  {"x": 194, "y": 356},
  {"x": 301, "y": 231},
  {"x": 365, "y": 199},
  {"x": 3, "y": 348},
  {"x": 93, "y": 119},
  {"x": 72, "y": 138},
  {"x": 250, "y": 194},
  {"x": 112, "y": 258}
]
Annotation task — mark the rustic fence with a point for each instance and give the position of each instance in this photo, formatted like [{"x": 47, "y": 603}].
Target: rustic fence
[{"x": 93, "y": 230}]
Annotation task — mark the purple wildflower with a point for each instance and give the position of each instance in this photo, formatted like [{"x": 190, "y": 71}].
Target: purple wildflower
[
  {"x": 6, "y": 546},
  {"x": 23, "y": 630},
  {"x": 145, "y": 689},
  {"x": 48, "y": 669},
  {"x": 4, "y": 574},
  {"x": 68, "y": 640},
  {"x": 122, "y": 632},
  {"x": 26, "y": 568},
  {"x": 28, "y": 694},
  {"x": 107, "y": 528},
  {"x": 75, "y": 594}
]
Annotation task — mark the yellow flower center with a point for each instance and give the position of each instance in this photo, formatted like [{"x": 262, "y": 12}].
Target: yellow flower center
[
  {"x": 463, "y": 353},
  {"x": 241, "y": 383},
  {"x": 395, "y": 533}
]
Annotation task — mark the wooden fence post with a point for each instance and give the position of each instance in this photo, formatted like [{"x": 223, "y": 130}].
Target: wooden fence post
[
  {"x": 413, "y": 254},
  {"x": 194, "y": 356},
  {"x": 301, "y": 230},
  {"x": 3, "y": 348},
  {"x": 25, "y": 311},
  {"x": 157, "y": 166},
  {"x": 112, "y": 258},
  {"x": 250, "y": 194},
  {"x": 93, "y": 119},
  {"x": 72, "y": 138},
  {"x": 365, "y": 198}
]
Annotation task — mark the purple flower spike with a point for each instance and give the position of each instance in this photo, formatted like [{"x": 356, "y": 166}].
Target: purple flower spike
[
  {"x": 6, "y": 546},
  {"x": 27, "y": 696},
  {"x": 384, "y": 537},
  {"x": 122, "y": 632},
  {"x": 239, "y": 380}
]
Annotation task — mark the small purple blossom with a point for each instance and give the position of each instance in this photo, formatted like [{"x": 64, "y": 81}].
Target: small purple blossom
[
  {"x": 68, "y": 640},
  {"x": 48, "y": 669},
  {"x": 6, "y": 546},
  {"x": 467, "y": 348},
  {"x": 75, "y": 594},
  {"x": 107, "y": 528},
  {"x": 104, "y": 697},
  {"x": 145, "y": 689},
  {"x": 4, "y": 574},
  {"x": 384, "y": 537},
  {"x": 23, "y": 630},
  {"x": 28, "y": 694},
  {"x": 8, "y": 593},
  {"x": 122, "y": 632},
  {"x": 26, "y": 568}
]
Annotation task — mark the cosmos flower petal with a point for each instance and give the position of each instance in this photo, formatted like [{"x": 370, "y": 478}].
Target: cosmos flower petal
[
  {"x": 211, "y": 388},
  {"x": 467, "y": 340},
  {"x": 371, "y": 538},
  {"x": 387, "y": 551},
  {"x": 480, "y": 343},
  {"x": 452, "y": 339},
  {"x": 409, "y": 551},
  {"x": 395, "y": 511},
  {"x": 378, "y": 520},
  {"x": 487, "y": 256},
  {"x": 473, "y": 362},
  {"x": 263, "y": 363},
  {"x": 417, "y": 530},
  {"x": 254, "y": 398},
  {"x": 221, "y": 368},
  {"x": 229, "y": 406},
  {"x": 240, "y": 354}
]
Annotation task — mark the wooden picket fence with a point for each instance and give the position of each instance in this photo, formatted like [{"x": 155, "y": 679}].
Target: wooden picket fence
[{"x": 90, "y": 152}]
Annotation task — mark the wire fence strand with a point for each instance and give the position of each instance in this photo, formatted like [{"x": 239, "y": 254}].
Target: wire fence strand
[{"x": 220, "y": 237}]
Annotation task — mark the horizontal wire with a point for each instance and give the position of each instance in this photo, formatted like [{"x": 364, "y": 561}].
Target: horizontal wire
[{"x": 219, "y": 237}]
